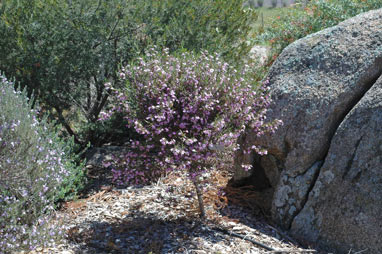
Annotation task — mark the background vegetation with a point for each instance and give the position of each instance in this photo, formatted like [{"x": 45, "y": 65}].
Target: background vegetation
[
  {"x": 308, "y": 17},
  {"x": 65, "y": 51}
]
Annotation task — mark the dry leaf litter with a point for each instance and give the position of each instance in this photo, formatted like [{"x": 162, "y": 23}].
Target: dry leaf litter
[{"x": 163, "y": 218}]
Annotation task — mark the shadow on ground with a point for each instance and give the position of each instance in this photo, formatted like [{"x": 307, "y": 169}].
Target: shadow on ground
[{"x": 140, "y": 234}]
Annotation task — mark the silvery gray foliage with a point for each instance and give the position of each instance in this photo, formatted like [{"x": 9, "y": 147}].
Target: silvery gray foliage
[{"x": 33, "y": 169}]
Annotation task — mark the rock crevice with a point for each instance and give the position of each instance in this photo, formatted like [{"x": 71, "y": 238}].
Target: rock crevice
[
  {"x": 317, "y": 166},
  {"x": 346, "y": 201},
  {"x": 369, "y": 82}
]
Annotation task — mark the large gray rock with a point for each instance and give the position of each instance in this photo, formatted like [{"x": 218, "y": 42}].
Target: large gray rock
[
  {"x": 315, "y": 83},
  {"x": 344, "y": 209}
]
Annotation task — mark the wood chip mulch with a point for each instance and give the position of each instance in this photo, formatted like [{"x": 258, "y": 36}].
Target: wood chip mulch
[{"x": 163, "y": 218}]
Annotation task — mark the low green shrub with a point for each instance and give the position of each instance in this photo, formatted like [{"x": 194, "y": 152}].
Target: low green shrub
[
  {"x": 215, "y": 25},
  {"x": 36, "y": 169},
  {"x": 65, "y": 51}
]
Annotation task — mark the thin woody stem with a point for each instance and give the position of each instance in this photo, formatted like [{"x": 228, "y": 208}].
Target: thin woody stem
[{"x": 200, "y": 198}]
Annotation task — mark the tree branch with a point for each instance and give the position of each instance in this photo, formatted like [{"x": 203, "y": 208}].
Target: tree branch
[{"x": 66, "y": 125}]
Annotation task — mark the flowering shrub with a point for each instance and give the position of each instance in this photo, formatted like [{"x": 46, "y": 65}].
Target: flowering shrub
[
  {"x": 187, "y": 111},
  {"x": 35, "y": 170}
]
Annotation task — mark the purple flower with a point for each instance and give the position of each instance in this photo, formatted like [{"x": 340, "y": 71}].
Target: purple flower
[{"x": 185, "y": 107}]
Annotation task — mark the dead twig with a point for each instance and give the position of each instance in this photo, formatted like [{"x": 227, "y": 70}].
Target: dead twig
[
  {"x": 225, "y": 231},
  {"x": 291, "y": 251},
  {"x": 359, "y": 252}
]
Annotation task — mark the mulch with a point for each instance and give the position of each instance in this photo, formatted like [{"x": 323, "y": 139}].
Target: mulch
[{"x": 163, "y": 217}]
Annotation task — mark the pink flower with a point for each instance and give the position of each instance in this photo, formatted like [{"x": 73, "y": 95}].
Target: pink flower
[{"x": 182, "y": 109}]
